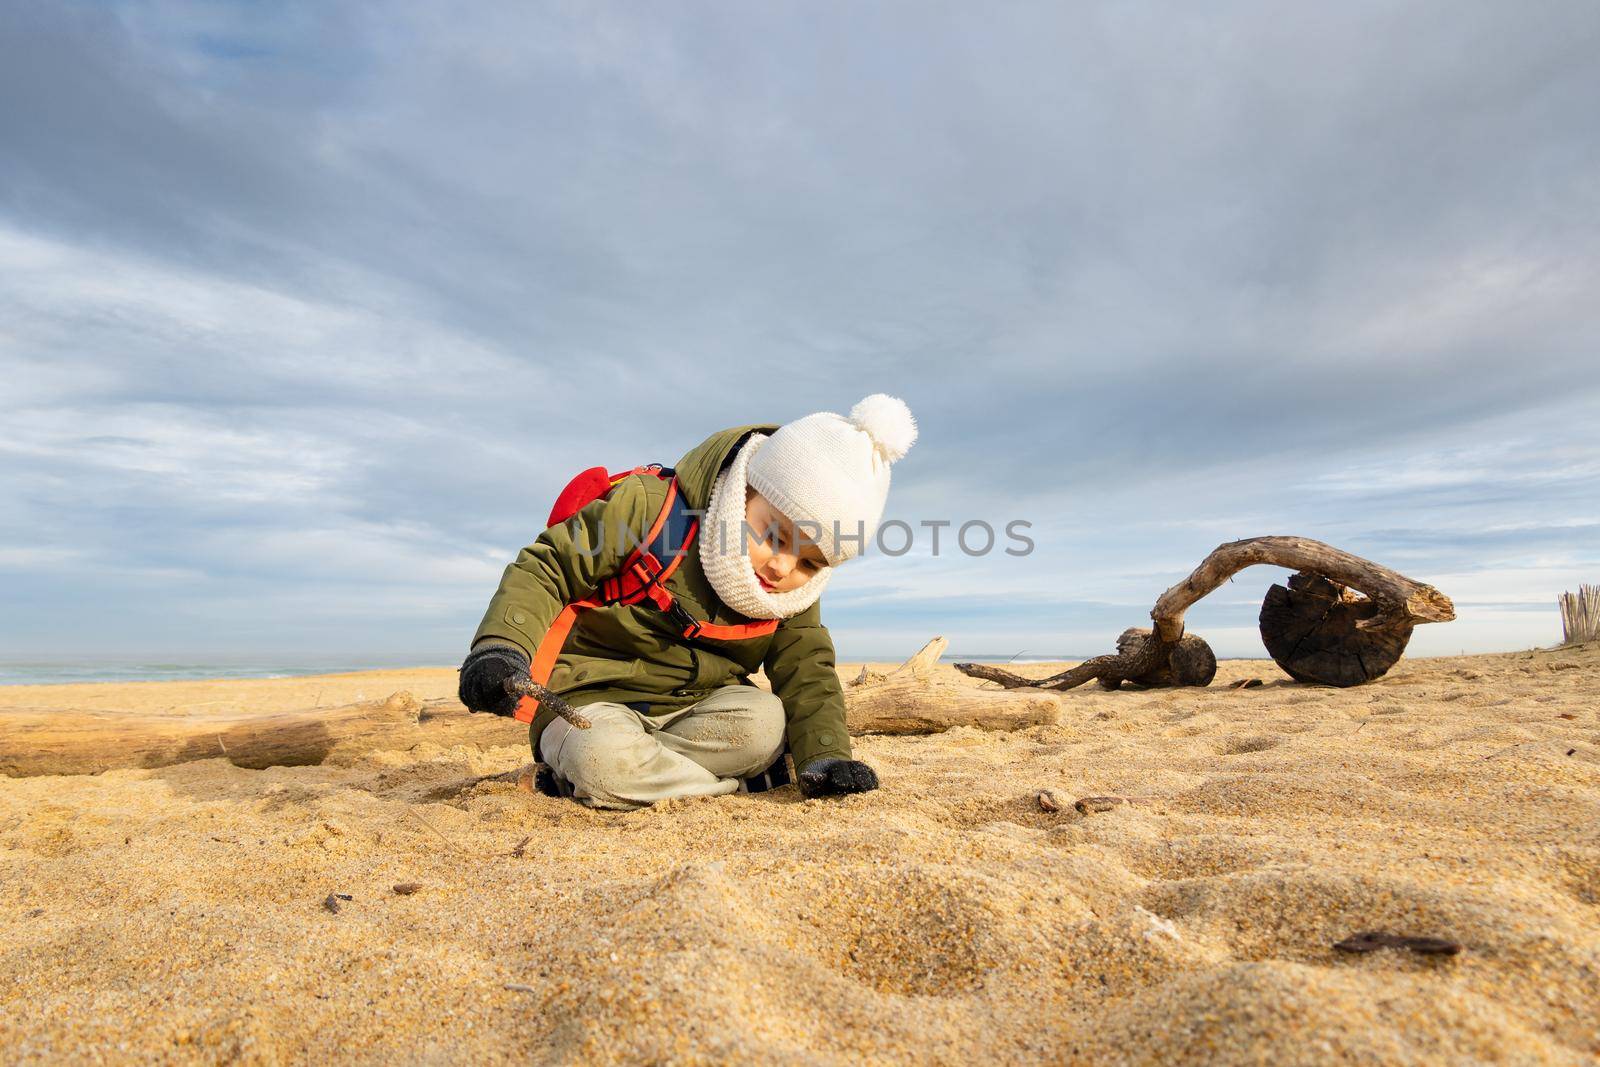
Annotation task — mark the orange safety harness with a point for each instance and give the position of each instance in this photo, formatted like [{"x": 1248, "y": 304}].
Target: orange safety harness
[{"x": 642, "y": 576}]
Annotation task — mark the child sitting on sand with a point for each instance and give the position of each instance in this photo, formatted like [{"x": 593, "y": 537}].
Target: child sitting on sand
[{"x": 674, "y": 715}]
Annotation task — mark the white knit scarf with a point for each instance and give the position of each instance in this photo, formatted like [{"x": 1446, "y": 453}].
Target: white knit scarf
[{"x": 723, "y": 555}]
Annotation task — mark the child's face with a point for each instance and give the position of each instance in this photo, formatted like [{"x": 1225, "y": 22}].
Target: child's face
[{"x": 782, "y": 557}]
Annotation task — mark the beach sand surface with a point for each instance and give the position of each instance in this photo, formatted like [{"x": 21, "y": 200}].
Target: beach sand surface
[{"x": 207, "y": 913}]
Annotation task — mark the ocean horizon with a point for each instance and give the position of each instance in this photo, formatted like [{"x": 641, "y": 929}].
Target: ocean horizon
[{"x": 40, "y": 671}]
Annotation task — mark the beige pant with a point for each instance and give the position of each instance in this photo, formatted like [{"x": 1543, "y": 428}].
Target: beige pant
[{"x": 628, "y": 760}]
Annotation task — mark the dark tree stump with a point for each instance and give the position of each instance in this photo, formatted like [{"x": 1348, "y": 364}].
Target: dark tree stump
[
  {"x": 1141, "y": 658},
  {"x": 1190, "y": 662},
  {"x": 1310, "y": 630}
]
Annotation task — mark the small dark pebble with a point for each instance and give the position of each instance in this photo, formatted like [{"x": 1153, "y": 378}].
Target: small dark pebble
[
  {"x": 405, "y": 889},
  {"x": 1571, "y": 751},
  {"x": 1372, "y": 940},
  {"x": 1047, "y": 800},
  {"x": 1246, "y": 683}
]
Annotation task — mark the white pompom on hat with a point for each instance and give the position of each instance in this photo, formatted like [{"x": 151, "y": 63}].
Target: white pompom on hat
[{"x": 832, "y": 471}]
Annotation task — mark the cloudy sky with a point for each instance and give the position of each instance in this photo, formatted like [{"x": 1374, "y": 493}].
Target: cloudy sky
[{"x": 307, "y": 310}]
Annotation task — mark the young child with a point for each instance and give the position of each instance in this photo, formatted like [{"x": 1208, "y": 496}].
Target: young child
[{"x": 673, "y": 716}]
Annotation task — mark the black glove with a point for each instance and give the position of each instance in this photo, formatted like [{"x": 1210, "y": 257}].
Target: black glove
[
  {"x": 831, "y": 776},
  {"x": 483, "y": 679}
]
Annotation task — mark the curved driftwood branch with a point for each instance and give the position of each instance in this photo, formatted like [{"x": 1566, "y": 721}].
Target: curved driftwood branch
[
  {"x": 1399, "y": 600},
  {"x": 1316, "y": 629}
]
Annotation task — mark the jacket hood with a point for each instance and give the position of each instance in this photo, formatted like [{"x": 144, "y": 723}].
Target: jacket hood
[{"x": 699, "y": 467}]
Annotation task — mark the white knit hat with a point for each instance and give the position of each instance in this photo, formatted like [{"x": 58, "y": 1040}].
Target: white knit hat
[{"x": 833, "y": 471}]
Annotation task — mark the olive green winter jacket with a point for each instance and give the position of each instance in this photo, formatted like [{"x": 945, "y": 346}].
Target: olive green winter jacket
[{"x": 632, "y": 654}]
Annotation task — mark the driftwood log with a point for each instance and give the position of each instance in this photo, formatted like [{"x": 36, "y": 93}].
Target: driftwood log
[
  {"x": 1312, "y": 629},
  {"x": 1317, "y": 629},
  {"x": 911, "y": 699},
  {"x": 907, "y": 700},
  {"x": 75, "y": 741}
]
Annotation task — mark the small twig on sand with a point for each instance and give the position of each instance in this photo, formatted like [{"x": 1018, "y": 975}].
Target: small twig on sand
[
  {"x": 1508, "y": 748},
  {"x": 518, "y": 987},
  {"x": 522, "y": 848},
  {"x": 435, "y": 831}
]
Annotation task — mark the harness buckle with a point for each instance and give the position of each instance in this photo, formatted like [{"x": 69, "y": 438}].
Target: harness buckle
[
  {"x": 680, "y": 615},
  {"x": 647, "y": 569}
]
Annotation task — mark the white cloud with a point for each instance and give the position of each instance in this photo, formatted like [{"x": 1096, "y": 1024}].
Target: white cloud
[
  {"x": 37, "y": 558},
  {"x": 118, "y": 320},
  {"x": 340, "y": 296},
  {"x": 406, "y": 554},
  {"x": 200, "y": 457}
]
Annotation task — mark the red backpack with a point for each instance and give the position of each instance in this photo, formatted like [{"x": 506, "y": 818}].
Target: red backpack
[{"x": 643, "y": 575}]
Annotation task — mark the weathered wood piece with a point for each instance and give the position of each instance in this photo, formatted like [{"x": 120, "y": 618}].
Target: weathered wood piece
[
  {"x": 925, "y": 660},
  {"x": 1189, "y": 662},
  {"x": 930, "y": 706},
  {"x": 1312, "y": 629},
  {"x": 1399, "y": 600},
  {"x": 1139, "y": 659},
  {"x": 1351, "y": 641},
  {"x": 913, "y": 699},
  {"x": 72, "y": 741}
]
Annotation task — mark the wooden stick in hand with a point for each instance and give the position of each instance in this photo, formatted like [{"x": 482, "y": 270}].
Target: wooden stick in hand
[{"x": 523, "y": 687}]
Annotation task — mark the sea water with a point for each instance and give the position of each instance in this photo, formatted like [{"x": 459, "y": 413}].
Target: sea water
[
  {"x": 153, "y": 669},
  {"x": 24, "y": 671}
]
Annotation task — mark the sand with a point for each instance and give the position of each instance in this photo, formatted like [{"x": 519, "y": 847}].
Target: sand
[{"x": 180, "y": 914}]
